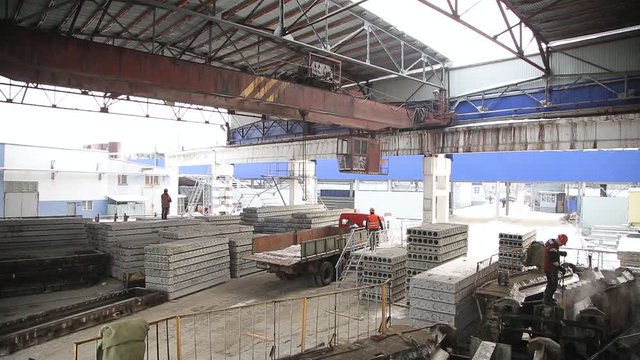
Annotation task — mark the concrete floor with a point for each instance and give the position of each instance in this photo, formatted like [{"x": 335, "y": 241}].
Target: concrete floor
[{"x": 263, "y": 287}]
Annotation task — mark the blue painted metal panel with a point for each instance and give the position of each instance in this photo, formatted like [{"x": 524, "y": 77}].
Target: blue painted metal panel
[
  {"x": 553, "y": 166},
  {"x": 257, "y": 170},
  {"x": 562, "y": 97},
  {"x": 195, "y": 170},
  {"x": 400, "y": 168},
  {"x": 59, "y": 208},
  {"x": 1, "y": 181}
]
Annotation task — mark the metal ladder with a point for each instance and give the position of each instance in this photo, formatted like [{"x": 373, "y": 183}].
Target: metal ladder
[
  {"x": 194, "y": 196},
  {"x": 352, "y": 264}
]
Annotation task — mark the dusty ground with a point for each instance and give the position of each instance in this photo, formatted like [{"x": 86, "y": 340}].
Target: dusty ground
[{"x": 253, "y": 334}]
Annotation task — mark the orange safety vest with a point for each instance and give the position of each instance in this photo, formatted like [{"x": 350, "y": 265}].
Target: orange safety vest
[
  {"x": 373, "y": 222},
  {"x": 549, "y": 247}
]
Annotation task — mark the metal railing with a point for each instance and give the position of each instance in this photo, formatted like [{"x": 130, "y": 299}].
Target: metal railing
[
  {"x": 266, "y": 330},
  {"x": 602, "y": 259}
]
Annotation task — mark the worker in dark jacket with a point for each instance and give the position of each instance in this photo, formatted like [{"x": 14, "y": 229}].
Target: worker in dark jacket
[
  {"x": 165, "y": 199},
  {"x": 551, "y": 265},
  {"x": 374, "y": 224}
]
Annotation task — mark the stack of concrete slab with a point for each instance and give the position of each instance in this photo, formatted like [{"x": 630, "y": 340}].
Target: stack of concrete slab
[
  {"x": 381, "y": 265},
  {"x": 315, "y": 219},
  {"x": 259, "y": 217},
  {"x": 42, "y": 233},
  {"x": 444, "y": 295},
  {"x": 223, "y": 219},
  {"x": 105, "y": 235},
  {"x": 127, "y": 257},
  {"x": 195, "y": 261},
  {"x": 629, "y": 251},
  {"x": 511, "y": 247},
  {"x": 432, "y": 245}
]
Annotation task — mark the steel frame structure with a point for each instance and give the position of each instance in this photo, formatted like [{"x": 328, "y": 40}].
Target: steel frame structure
[{"x": 39, "y": 95}]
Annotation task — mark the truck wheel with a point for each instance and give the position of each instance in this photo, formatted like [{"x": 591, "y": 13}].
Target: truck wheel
[
  {"x": 326, "y": 273},
  {"x": 281, "y": 275}
]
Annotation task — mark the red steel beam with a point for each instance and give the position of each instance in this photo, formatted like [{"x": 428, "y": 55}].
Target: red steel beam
[{"x": 45, "y": 58}]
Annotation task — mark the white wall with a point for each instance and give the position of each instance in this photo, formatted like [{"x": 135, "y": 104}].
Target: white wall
[
  {"x": 402, "y": 205},
  {"x": 66, "y": 185},
  {"x": 604, "y": 210},
  {"x": 462, "y": 194}
]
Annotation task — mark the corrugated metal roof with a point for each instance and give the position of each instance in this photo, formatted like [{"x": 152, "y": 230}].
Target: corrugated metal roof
[
  {"x": 556, "y": 20},
  {"x": 180, "y": 29}
]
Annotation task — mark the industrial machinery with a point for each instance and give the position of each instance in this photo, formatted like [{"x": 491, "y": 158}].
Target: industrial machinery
[{"x": 594, "y": 308}]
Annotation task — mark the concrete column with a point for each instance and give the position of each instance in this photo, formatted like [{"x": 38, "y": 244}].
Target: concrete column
[
  {"x": 498, "y": 204},
  {"x": 173, "y": 169},
  {"x": 437, "y": 185},
  {"x": 303, "y": 183},
  {"x": 507, "y": 194}
]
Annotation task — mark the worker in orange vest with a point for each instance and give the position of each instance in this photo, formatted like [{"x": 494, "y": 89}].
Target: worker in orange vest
[
  {"x": 165, "y": 200},
  {"x": 373, "y": 225},
  {"x": 551, "y": 265}
]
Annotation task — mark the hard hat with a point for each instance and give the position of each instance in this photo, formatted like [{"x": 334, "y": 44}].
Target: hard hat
[
  {"x": 563, "y": 239},
  {"x": 372, "y": 210}
]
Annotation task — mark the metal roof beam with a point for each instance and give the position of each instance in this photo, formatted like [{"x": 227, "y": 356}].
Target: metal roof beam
[
  {"x": 45, "y": 58},
  {"x": 456, "y": 17},
  {"x": 292, "y": 44}
]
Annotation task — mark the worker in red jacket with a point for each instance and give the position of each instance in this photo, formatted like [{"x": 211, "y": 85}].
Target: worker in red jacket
[
  {"x": 374, "y": 224},
  {"x": 551, "y": 266},
  {"x": 165, "y": 199}
]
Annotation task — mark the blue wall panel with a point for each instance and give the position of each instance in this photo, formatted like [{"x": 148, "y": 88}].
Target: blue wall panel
[
  {"x": 257, "y": 170},
  {"x": 59, "y": 208},
  {"x": 400, "y": 168},
  {"x": 195, "y": 170},
  {"x": 554, "y": 166},
  {"x": 1, "y": 180},
  {"x": 159, "y": 162}
]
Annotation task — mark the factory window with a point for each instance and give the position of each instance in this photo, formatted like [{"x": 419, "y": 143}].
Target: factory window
[
  {"x": 122, "y": 179},
  {"x": 476, "y": 190},
  {"x": 150, "y": 180},
  {"x": 87, "y": 205}
]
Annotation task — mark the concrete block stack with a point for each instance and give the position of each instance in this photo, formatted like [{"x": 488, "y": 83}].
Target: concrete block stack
[
  {"x": 629, "y": 251},
  {"x": 224, "y": 220},
  {"x": 127, "y": 257},
  {"x": 315, "y": 219},
  {"x": 512, "y": 245},
  {"x": 259, "y": 218},
  {"x": 42, "y": 233},
  {"x": 381, "y": 265},
  {"x": 193, "y": 262},
  {"x": 444, "y": 295},
  {"x": 432, "y": 245},
  {"x": 240, "y": 241}
]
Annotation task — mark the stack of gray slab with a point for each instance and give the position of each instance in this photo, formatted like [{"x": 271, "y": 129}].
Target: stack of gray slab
[
  {"x": 379, "y": 266},
  {"x": 42, "y": 233},
  {"x": 127, "y": 257},
  {"x": 240, "y": 241},
  {"x": 194, "y": 262},
  {"x": 315, "y": 219},
  {"x": 512, "y": 245},
  {"x": 223, "y": 219},
  {"x": 432, "y": 245},
  {"x": 259, "y": 217},
  {"x": 444, "y": 294}
]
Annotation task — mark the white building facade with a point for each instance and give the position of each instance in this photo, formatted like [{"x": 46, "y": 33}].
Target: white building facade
[{"x": 48, "y": 181}]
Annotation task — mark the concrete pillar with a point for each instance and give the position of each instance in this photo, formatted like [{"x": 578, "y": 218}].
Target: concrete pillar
[
  {"x": 173, "y": 169},
  {"x": 498, "y": 204},
  {"x": 303, "y": 183},
  {"x": 507, "y": 194},
  {"x": 437, "y": 185}
]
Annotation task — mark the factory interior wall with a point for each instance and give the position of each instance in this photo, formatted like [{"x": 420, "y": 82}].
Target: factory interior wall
[
  {"x": 59, "y": 208},
  {"x": 597, "y": 210},
  {"x": 402, "y": 205}
]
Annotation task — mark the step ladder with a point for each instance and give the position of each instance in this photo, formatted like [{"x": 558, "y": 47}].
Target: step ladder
[
  {"x": 348, "y": 270},
  {"x": 195, "y": 195}
]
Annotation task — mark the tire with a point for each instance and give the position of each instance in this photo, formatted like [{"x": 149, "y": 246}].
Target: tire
[
  {"x": 326, "y": 273},
  {"x": 281, "y": 275}
]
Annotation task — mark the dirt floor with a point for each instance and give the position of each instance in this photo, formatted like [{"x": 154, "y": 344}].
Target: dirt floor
[{"x": 253, "y": 333}]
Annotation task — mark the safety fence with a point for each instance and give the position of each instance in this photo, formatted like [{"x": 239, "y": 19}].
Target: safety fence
[
  {"x": 602, "y": 259},
  {"x": 266, "y": 330}
]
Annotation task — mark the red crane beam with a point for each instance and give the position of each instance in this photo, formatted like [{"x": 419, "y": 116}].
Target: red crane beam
[{"x": 45, "y": 58}]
